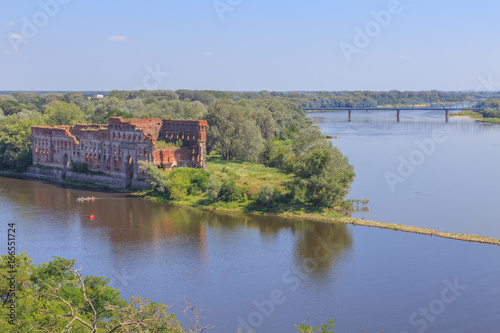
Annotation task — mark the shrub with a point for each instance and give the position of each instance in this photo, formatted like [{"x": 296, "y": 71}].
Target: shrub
[
  {"x": 198, "y": 179},
  {"x": 229, "y": 191},
  {"x": 79, "y": 167},
  {"x": 268, "y": 195},
  {"x": 156, "y": 177},
  {"x": 213, "y": 188},
  {"x": 178, "y": 184}
]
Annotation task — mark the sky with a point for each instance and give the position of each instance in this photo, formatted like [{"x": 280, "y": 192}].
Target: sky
[{"x": 250, "y": 45}]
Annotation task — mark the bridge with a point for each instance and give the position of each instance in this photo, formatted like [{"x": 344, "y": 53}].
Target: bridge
[{"x": 376, "y": 105}]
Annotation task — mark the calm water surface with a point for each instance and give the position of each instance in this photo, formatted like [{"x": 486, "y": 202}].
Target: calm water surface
[
  {"x": 455, "y": 182},
  {"x": 234, "y": 265}
]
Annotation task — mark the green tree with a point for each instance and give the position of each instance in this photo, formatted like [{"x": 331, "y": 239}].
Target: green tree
[
  {"x": 55, "y": 297},
  {"x": 63, "y": 113},
  {"x": 16, "y": 143},
  {"x": 321, "y": 168},
  {"x": 213, "y": 188},
  {"x": 324, "y": 328},
  {"x": 156, "y": 177},
  {"x": 114, "y": 113},
  {"x": 231, "y": 131},
  {"x": 268, "y": 195},
  {"x": 11, "y": 107},
  {"x": 229, "y": 191}
]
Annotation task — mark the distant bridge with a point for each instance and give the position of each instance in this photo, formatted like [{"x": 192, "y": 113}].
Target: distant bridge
[{"x": 376, "y": 105}]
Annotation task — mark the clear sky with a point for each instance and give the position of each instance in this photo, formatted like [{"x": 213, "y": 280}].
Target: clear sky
[{"x": 250, "y": 44}]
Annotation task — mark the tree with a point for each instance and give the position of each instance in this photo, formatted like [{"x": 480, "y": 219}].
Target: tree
[
  {"x": 16, "y": 143},
  {"x": 62, "y": 113},
  {"x": 106, "y": 105},
  {"x": 248, "y": 143},
  {"x": 156, "y": 177},
  {"x": 324, "y": 328},
  {"x": 231, "y": 131},
  {"x": 268, "y": 195},
  {"x": 115, "y": 113},
  {"x": 55, "y": 297},
  {"x": 11, "y": 107},
  {"x": 213, "y": 188},
  {"x": 229, "y": 191},
  {"x": 321, "y": 168}
]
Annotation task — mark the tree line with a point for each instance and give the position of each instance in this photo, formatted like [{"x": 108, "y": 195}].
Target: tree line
[{"x": 259, "y": 127}]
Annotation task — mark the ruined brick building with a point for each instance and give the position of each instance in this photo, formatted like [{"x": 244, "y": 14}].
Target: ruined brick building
[{"x": 116, "y": 148}]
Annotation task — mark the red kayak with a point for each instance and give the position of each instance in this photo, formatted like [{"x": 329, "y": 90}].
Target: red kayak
[{"x": 91, "y": 217}]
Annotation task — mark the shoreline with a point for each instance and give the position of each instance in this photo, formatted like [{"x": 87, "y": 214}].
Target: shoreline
[
  {"x": 365, "y": 223},
  {"x": 345, "y": 220},
  {"x": 483, "y": 120}
]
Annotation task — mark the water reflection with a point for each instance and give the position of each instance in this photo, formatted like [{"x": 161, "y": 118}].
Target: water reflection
[
  {"x": 132, "y": 225},
  {"x": 320, "y": 247}
]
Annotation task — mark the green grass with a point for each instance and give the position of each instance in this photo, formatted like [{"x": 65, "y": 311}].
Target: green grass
[
  {"x": 280, "y": 143},
  {"x": 163, "y": 144},
  {"x": 249, "y": 177}
]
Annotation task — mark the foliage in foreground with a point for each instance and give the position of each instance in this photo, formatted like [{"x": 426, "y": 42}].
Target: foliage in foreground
[
  {"x": 324, "y": 328},
  {"x": 55, "y": 297}
]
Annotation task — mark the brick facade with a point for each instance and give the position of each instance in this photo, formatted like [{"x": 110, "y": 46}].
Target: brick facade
[{"x": 116, "y": 148}]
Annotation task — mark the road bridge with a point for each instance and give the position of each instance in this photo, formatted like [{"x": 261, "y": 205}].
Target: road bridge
[{"x": 376, "y": 105}]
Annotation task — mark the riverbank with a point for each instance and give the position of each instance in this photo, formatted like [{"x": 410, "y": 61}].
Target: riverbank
[
  {"x": 475, "y": 116},
  {"x": 327, "y": 216}
]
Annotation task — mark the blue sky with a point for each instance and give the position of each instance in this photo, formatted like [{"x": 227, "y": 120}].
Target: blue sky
[{"x": 249, "y": 45}]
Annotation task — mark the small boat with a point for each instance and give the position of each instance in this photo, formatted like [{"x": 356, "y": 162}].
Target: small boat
[
  {"x": 91, "y": 217},
  {"x": 80, "y": 199}
]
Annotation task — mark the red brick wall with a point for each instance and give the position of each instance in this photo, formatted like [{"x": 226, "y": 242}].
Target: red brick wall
[{"x": 132, "y": 137}]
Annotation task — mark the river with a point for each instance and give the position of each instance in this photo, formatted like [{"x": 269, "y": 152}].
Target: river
[
  {"x": 269, "y": 273},
  {"x": 423, "y": 171}
]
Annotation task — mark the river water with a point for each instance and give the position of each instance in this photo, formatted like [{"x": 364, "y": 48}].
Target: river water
[
  {"x": 422, "y": 171},
  {"x": 268, "y": 273}
]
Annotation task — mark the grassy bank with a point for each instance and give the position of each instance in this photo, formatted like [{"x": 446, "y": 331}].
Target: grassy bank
[
  {"x": 475, "y": 116},
  {"x": 249, "y": 177}
]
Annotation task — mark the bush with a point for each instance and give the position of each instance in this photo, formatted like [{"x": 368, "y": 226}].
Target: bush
[
  {"x": 176, "y": 183},
  {"x": 229, "y": 191},
  {"x": 213, "y": 188},
  {"x": 79, "y": 167},
  {"x": 156, "y": 177},
  {"x": 268, "y": 195}
]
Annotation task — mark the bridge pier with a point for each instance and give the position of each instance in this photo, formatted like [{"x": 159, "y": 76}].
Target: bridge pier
[
  {"x": 447, "y": 115},
  {"x": 349, "y": 115},
  {"x": 399, "y": 115}
]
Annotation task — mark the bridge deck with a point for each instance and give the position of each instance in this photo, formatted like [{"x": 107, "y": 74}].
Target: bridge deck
[{"x": 394, "y": 109}]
